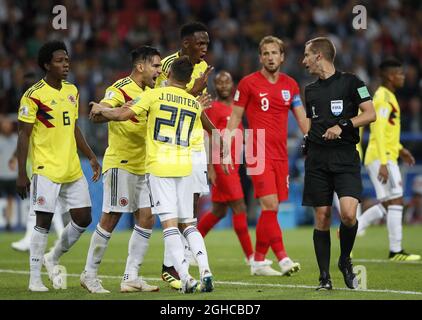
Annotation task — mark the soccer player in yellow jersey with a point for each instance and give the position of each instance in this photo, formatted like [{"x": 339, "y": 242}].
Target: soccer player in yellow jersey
[
  {"x": 47, "y": 123},
  {"x": 172, "y": 113},
  {"x": 194, "y": 44},
  {"x": 384, "y": 149},
  {"x": 125, "y": 188}
]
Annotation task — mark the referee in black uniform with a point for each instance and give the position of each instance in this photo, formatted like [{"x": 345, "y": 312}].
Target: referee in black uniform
[{"x": 332, "y": 163}]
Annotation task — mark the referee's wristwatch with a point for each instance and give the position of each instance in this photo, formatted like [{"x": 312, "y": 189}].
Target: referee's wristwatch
[{"x": 346, "y": 125}]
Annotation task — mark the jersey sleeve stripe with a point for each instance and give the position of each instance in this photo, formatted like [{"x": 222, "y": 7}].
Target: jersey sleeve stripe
[
  {"x": 33, "y": 89},
  {"x": 38, "y": 84},
  {"x": 122, "y": 83},
  {"x": 168, "y": 62}
]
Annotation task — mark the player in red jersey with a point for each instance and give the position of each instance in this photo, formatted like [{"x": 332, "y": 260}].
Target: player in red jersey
[
  {"x": 226, "y": 190},
  {"x": 267, "y": 96}
]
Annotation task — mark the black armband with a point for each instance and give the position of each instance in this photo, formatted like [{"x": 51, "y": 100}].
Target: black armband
[{"x": 346, "y": 125}]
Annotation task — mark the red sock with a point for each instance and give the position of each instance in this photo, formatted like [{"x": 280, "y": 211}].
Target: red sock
[
  {"x": 262, "y": 240},
  {"x": 208, "y": 220},
  {"x": 276, "y": 236},
  {"x": 240, "y": 226}
]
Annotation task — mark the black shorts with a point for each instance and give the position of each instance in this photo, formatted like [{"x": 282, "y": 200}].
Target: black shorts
[
  {"x": 329, "y": 170},
  {"x": 7, "y": 187}
]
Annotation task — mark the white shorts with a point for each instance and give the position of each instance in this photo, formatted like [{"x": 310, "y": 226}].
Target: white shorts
[
  {"x": 393, "y": 189},
  {"x": 59, "y": 210},
  {"x": 124, "y": 191},
  {"x": 171, "y": 197},
  {"x": 199, "y": 176},
  {"x": 47, "y": 196}
]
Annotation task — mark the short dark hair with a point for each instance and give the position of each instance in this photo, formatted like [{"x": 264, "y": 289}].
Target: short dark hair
[
  {"x": 144, "y": 53},
  {"x": 181, "y": 69},
  {"x": 390, "y": 63},
  {"x": 45, "y": 54},
  {"x": 189, "y": 29},
  {"x": 323, "y": 45}
]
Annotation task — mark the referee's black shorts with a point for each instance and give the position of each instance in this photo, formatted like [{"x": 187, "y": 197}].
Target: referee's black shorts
[{"x": 329, "y": 170}]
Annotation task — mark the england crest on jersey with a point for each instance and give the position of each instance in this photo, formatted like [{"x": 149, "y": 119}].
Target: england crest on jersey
[
  {"x": 285, "y": 94},
  {"x": 336, "y": 107}
]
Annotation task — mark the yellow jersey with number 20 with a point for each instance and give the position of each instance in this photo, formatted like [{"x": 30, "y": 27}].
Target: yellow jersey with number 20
[
  {"x": 172, "y": 113},
  {"x": 198, "y": 71}
]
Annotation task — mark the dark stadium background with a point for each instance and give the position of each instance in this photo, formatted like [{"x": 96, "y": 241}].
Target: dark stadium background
[{"x": 100, "y": 35}]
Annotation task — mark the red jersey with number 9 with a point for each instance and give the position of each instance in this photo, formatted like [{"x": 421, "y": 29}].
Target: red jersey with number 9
[{"x": 267, "y": 105}]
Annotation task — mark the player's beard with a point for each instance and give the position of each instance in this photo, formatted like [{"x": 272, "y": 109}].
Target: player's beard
[{"x": 272, "y": 69}]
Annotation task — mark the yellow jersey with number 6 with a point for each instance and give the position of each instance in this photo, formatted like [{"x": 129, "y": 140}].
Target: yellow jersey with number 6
[
  {"x": 384, "y": 137},
  {"x": 172, "y": 113},
  {"x": 52, "y": 147}
]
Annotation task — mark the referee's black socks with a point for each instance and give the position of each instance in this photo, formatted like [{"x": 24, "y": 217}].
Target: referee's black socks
[
  {"x": 322, "y": 245},
  {"x": 347, "y": 239}
]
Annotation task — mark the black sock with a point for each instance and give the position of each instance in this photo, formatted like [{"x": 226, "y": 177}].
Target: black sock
[
  {"x": 322, "y": 245},
  {"x": 347, "y": 239}
]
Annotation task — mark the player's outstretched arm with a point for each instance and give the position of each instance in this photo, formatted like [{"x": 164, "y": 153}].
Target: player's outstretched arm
[
  {"x": 99, "y": 118},
  {"x": 366, "y": 116},
  {"x": 115, "y": 114},
  {"x": 87, "y": 151},
  {"x": 22, "y": 182}
]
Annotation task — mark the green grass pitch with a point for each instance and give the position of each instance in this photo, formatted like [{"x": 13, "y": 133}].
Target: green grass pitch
[{"x": 385, "y": 279}]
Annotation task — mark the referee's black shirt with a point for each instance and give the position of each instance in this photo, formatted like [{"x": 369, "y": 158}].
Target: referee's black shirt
[{"x": 329, "y": 100}]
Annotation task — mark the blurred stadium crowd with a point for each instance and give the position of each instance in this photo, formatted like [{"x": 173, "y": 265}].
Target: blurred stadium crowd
[{"x": 101, "y": 33}]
